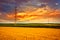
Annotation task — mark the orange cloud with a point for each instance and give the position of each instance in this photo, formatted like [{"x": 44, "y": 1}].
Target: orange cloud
[
  {"x": 39, "y": 14},
  {"x": 10, "y": 16}
]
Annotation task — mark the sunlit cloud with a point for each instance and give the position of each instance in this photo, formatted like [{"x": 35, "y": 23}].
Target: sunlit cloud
[
  {"x": 30, "y": 10},
  {"x": 10, "y": 16},
  {"x": 44, "y": 14}
]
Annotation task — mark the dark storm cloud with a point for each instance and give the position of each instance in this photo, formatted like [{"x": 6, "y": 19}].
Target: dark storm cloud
[
  {"x": 52, "y": 3},
  {"x": 5, "y": 8},
  {"x": 8, "y": 5}
]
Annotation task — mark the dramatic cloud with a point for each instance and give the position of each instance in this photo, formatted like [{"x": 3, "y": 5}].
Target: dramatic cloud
[{"x": 30, "y": 10}]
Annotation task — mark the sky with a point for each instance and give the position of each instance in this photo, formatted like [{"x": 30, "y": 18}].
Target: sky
[{"x": 30, "y": 11}]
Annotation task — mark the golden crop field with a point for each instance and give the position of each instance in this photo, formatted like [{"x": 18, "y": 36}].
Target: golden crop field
[{"x": 21, "y": 33}]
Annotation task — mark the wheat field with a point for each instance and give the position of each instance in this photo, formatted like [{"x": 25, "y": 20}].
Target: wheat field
[{"x": 21, "y": 33}]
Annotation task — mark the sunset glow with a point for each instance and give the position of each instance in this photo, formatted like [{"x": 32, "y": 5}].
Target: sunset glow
[{"x": 32, "y": 10}]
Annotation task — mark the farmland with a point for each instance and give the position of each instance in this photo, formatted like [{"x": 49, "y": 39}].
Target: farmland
[{"x": 21, "y": 33}]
